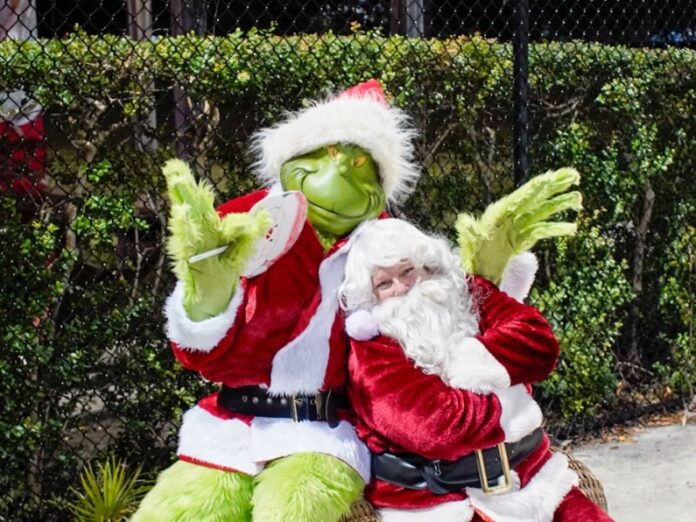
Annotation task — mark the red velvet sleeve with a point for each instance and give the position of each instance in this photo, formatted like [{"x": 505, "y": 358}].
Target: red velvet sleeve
[
  {"x": 517, "y": 335},
  {"x": 416, "y": 412}
]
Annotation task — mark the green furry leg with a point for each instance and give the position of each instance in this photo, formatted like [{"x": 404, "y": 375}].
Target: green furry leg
[
  {"x": 307, "y": 487},
  {"x": 186, "y": 492}
]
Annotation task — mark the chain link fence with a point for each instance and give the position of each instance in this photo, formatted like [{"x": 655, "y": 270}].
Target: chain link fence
[{"x": 97, "y": 95}]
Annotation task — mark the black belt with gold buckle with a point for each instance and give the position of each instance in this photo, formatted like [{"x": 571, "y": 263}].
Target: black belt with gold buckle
[
  {"x": 256, "y": 401},
  {"x": 487, "y": 469}
]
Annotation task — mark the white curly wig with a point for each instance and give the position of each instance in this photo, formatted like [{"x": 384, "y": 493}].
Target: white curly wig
[{"x": 386, "y": 242}]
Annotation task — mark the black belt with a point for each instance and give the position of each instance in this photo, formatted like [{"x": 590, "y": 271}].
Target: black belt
[
  {"x": 254, "y": 400},
  {"x": 479, "y": 469}
]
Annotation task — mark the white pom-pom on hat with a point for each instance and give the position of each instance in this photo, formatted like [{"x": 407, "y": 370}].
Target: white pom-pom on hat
[{"x": 362, "y": 326}]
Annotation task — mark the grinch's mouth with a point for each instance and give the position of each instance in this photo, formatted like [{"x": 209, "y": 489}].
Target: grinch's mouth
[{"x": 324, "y": 210}]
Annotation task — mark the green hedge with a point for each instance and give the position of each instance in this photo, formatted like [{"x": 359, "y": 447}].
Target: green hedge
[{"x": 85, "y": 368}]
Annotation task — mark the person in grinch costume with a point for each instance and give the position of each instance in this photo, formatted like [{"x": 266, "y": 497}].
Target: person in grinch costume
[{"x": 256, "y": 309}]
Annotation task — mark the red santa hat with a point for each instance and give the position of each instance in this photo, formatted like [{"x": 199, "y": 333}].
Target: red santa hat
[{"x": 360, "y": 116}]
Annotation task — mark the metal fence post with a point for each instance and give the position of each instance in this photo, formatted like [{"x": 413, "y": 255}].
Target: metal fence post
[
  {"x": 415, "y": 18},
  {"x": 520, "y": 45},
  {"x": 186, "y": 16},
  {"x": 140, "y": 28},
  {"x": 407, "y": 17}
]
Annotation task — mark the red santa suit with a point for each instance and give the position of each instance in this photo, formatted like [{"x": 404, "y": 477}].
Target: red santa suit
[
  {"x": 282, "y": 330},
  {"x": 400, "y": 409}
]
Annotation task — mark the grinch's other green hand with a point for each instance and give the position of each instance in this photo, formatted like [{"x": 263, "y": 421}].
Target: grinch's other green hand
[
  {"x": 195, "y": 228},
  {"x": 516, "y": 222}
]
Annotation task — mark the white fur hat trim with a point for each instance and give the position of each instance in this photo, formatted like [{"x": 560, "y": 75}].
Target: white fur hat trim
[{"x": 385, "y": 132}]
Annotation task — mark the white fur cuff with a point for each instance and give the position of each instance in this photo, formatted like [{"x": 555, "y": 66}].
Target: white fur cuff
[
  {"x": 518, "y": 276},
  {"x": 521, "y": 414},
  {"x": 201, "y": 336},
  {"x": 362, "y": 326},
  {"x": 216, "y": 442},
  {"x": 471, "y": 367}
]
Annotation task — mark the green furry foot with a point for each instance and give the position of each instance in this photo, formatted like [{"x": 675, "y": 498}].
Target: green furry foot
[
  {"x": 190, "y": 493},
  {"x": 307, "y": 487}
]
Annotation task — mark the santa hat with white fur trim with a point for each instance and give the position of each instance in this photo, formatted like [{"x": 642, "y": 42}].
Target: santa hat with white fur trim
[{"x": 359, "y": 116}]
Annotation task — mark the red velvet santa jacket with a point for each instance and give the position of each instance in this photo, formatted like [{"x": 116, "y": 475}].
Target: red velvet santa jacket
[
  {"x": 283, "y": 330},
  {"x": 399, "y": 408}
]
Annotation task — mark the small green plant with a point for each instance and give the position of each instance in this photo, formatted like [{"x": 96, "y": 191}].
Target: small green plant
[{"x": 109, "y": 495}]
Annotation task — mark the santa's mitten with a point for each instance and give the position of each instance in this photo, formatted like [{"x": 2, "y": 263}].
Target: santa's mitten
[{"x": 362, "y": 326}]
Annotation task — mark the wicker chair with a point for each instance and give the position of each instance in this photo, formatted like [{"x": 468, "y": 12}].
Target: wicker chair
[
  {"x": 363, "y": 512},
  {"x": 589, "y": 485}
]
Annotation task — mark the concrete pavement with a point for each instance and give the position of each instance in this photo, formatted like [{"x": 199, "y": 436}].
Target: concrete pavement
[{"x": 650, "y": 477}]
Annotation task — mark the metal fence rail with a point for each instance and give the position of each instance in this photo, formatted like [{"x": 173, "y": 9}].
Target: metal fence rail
[{"x": 96, "y": 95}]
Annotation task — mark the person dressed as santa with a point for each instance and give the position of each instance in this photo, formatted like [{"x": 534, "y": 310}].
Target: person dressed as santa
[{"x": 440, "y": 370}]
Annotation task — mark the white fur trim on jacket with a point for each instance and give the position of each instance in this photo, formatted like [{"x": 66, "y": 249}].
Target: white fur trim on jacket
[
  {"x": 383, "y": 131},
  {"x": 471, "y": 367},
  {"x": 361, "y": 325},
  {"x": 275, "y": 438},
  {"x": 536, "y": 502},
  {"x": 518, "y": 276},
  {"x": 201, "y": 336},
  {"x": 221, "y": 443},
  {"x": 460, "y": 511},
  {"x": 520, "y": 413},
  {"x": 233, "y": 444},
  {"x": 300, "y": 366}
]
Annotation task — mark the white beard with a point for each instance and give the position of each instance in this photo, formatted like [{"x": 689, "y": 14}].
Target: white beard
[{"x": 425, "y": 319}]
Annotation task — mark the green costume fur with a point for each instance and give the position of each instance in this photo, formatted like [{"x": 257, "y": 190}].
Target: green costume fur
[
  {"x": 187, "y": 492},
  {"x": 300, "y": 488},
  {"x": 196, "y": 227},
  {"x": 305, "y": 487},
  {"x": 516, "y": 222}
]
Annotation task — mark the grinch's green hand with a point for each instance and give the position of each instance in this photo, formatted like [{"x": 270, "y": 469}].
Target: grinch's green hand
[
  {"x": 196, "y": 227},
  {"x": 516, "y": 222}
]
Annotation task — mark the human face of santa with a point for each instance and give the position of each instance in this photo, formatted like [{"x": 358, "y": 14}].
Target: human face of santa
[{"x": 397, "y": 280}]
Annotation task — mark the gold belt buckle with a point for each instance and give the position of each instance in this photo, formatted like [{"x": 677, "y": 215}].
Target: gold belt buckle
[
  {"x": 319, "y": 405},
  {"x": 293, "y": 407},
  {"x": 483, "y": 477}
]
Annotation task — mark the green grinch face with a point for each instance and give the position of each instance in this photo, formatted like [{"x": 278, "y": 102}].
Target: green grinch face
[{"x": 341, "y": 184}]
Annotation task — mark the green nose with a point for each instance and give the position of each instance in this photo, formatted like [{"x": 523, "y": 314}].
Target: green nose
[{"x": 332, "y": 189}]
